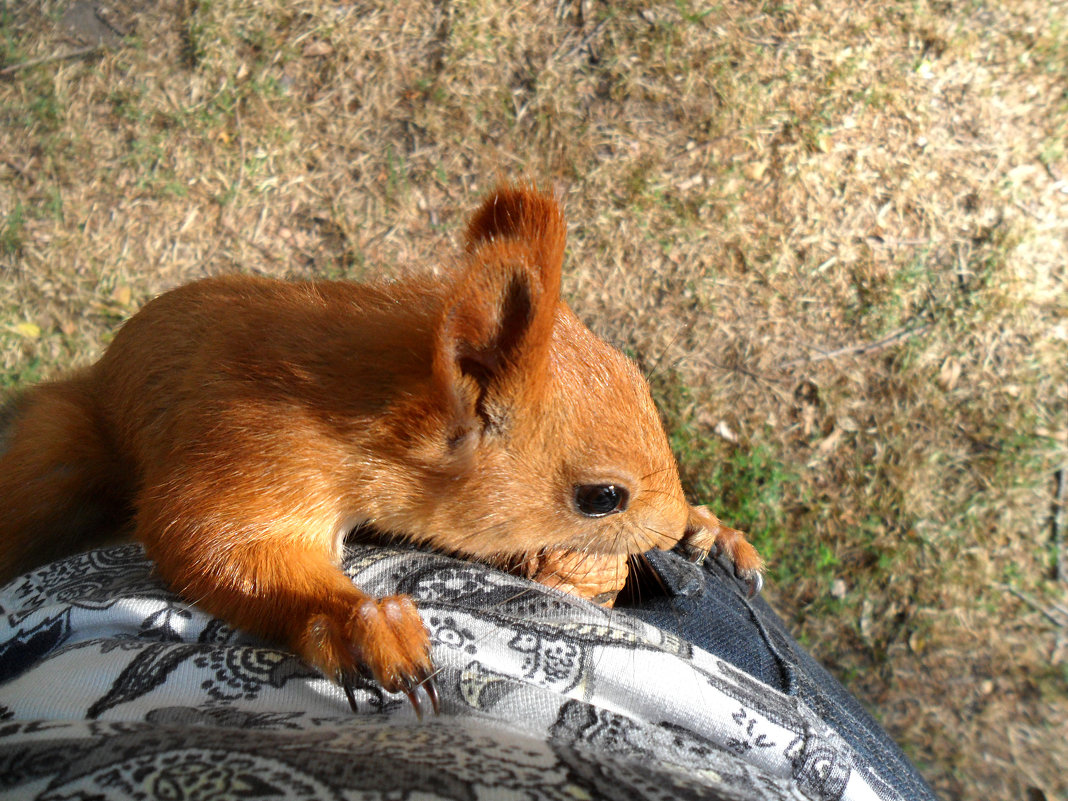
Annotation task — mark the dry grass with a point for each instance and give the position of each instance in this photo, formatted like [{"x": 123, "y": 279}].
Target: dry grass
[{"x": 839, "y": 231}]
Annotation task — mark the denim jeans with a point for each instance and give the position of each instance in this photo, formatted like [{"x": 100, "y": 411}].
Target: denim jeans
[{"x": 706, "y": 605}]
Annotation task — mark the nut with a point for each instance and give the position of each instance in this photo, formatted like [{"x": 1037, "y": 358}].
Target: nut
[{"x": 593, "y": 576}]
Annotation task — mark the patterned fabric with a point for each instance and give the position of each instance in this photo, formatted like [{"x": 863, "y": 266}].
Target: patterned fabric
[{"x": 113, "y": 688}]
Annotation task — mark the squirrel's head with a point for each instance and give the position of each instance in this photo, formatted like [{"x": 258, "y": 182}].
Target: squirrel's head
[{"x": 544, "y": 435}]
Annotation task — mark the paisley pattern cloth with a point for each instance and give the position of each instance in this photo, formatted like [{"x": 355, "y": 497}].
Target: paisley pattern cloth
[{"x": 113, "y": 688}]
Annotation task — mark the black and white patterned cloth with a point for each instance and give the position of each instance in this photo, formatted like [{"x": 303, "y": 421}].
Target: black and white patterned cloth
[{"x": 113, "y": 688}]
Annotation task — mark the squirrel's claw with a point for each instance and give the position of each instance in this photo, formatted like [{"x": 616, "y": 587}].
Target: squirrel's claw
[
  {"x": 425, "y": 682},
  {"x": 413, "y": 699},
  {"x": 410, "y": 686},
  {"x": 694, "y": 553},
  {"x": 346, "y": 685},
  {"x": 754, "y": 581},
  {"x": 431, "y": 690}
]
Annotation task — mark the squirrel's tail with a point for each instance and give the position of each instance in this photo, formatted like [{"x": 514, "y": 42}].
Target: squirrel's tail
[{"x": 62, "y": 487}]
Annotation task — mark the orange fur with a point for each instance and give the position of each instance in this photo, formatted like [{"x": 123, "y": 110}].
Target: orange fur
[{"x": 246, "y": 425}]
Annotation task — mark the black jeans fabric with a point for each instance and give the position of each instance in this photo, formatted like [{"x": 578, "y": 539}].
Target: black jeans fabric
[{"x": 706, "y": 605}]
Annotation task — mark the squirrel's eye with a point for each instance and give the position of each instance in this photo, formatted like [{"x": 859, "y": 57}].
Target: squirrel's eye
[{"x": 598, "y": 500}]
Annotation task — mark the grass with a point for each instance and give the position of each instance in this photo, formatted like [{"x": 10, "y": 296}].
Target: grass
[
  {"x": 834, "y": 234},
  {"x": 744, "y": 483}
]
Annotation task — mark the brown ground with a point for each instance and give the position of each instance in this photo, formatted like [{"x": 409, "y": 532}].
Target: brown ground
[{"x": 836, "y": 235}]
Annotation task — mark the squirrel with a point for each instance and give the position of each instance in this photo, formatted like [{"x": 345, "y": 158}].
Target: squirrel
[{"x": 242, "y": 427}]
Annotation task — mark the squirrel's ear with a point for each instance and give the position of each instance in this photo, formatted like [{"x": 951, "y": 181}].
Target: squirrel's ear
[{"x": 496, "y": 327}]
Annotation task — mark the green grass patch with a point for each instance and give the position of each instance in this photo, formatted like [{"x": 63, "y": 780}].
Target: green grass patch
[
  {"x": 745, "y": 484},
  {"x": 12, "y": 230}
]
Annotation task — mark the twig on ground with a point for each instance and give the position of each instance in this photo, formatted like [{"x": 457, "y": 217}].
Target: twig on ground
[
  {"x": 19, "y": 171},
  {"x": 686, "y": 328},
  {"x": 768, "y": 384},
  {"x": 1055, "y": 527},
  {"x": 579, "y": 46},
  {"x": 81, "y": 52},
  {"x": 858, "y": 350},
  {"x": 1054, "y": 614}
]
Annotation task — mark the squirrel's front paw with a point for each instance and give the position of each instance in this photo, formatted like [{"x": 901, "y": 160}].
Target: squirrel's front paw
[
  {"x": 383, "y": 639},
  {"x": 706, "y": 534}
]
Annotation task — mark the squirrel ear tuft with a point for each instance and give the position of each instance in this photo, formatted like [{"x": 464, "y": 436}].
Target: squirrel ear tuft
[
  {"x": 521, "y": 213},
  {"x": 516, "y": 211},
  {"x": 497, "y": 323}
]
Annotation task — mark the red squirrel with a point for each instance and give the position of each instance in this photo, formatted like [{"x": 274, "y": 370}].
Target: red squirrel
[{"x": 243, "y": 426}]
